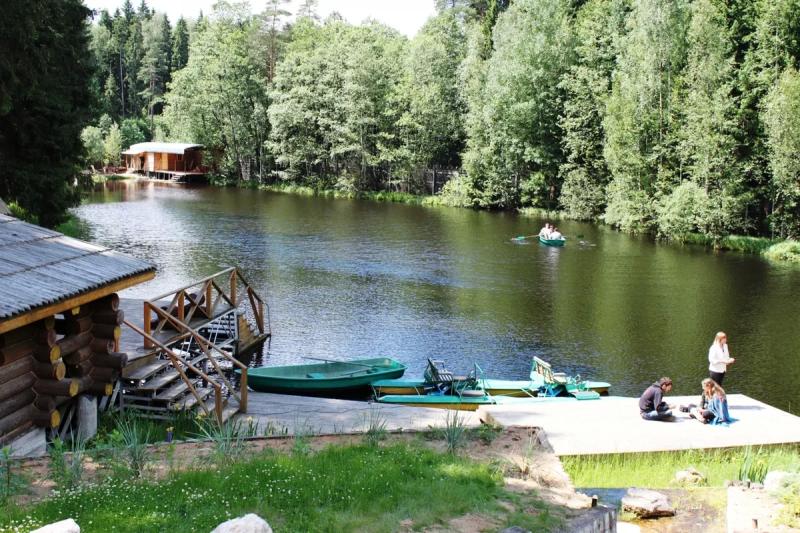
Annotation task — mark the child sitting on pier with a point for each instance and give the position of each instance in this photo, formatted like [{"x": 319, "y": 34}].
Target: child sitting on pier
[{"x": 651, "y": 405}]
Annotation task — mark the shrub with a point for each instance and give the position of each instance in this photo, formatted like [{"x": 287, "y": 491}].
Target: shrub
[{"x": 788, "y": 251}]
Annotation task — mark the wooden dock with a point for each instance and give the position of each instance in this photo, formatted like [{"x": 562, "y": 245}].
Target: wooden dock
[
  {"x": 613, "y": 425},
  {"x": 292, "y": 415}
]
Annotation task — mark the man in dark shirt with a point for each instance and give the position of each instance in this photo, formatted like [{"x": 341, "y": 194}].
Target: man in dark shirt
[{"x": 651, "y": 405}]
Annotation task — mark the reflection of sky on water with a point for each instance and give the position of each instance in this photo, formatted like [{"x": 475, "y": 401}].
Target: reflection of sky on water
[{"x": 348, "y": 279}]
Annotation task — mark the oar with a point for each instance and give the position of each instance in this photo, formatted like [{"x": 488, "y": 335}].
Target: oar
[
  {"x": 522, "y": 237},
  {"x": 336, "y": 361}
]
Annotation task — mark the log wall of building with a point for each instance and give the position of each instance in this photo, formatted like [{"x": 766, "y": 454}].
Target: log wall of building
[{"x": 46, "y": 364}]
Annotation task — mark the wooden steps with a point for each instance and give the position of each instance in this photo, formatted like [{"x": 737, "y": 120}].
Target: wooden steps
[{"x": 144, "y": 372}]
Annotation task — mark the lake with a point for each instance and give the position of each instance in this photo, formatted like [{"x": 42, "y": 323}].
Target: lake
[{"x": 347, "y": 279}]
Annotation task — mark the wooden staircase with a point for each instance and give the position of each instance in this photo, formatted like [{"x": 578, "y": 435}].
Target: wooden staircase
[{"x": 191, "y": 369}]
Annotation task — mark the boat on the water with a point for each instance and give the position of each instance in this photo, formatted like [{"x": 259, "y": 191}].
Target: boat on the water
[
  {"x": 552, "y": 242},
  {"x": 323, "y": 377},
  {"x": 441, "y": 389},
  {"x": 543, "y": 382}
]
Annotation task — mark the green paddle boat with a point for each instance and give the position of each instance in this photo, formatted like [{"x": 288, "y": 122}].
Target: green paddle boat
[
  {"x": 553, "y": 242},
  {"x": 325, "y": 377},
  {"x": 445, "y": 391},
  {"x": 543, "y": 382}
]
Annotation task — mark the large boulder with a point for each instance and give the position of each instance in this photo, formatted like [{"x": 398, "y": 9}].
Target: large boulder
[
  {"x": 249, "y": 523},
  {"x": 646, "y": 503},
  {"x": 65, "y": 526}
]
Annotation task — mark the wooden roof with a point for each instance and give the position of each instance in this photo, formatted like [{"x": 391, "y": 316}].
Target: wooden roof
[{"x": 44, "y": 271}]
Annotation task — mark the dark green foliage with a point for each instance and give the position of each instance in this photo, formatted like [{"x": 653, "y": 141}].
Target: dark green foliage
[
  {"x": 659, "y": 116},
  {"x": 180, "y": 45},
  {"x": 44, "y": 103}
]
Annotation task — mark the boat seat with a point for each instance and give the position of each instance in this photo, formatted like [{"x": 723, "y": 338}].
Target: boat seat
[
  {"x": 560, "y": 377},
  {"x": 586, "y": 395}
]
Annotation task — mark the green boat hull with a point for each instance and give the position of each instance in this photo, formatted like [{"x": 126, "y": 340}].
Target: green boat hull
[
  {"x": 514, "y": 388},
  {"x": 317, "y": 378},
  {"x": 462, "y": 403},
  {"x": 552, "y": 242}
]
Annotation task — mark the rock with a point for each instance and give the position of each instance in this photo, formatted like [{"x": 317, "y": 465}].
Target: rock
[
  {"x": 249, "y": 523},
  {"x": 65, "y": 526},
  {"x": 515, "y": 529},
  {"x": 756, "y": 486},
  {"x": 646, "y": 503},
  {"x": 690, "y": 476},
  {"x": 777, "y": 480}
]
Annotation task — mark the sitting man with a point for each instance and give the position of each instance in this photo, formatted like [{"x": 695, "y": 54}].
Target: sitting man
[
  {"x": 555, "y": 234},
  {"x": 651, "y": 405},
  {"x": 545, "y": 231}
]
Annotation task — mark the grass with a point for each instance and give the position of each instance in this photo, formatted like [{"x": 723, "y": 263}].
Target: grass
[
  {"x": 375, "y": 196},
  {"x": 790, "y": 514},
  {"x": 540, "y": 212},
  {"x": 363, "y": 488},
  {"x": 102, "y": 178},
  {"x": 657, "y": 470},
  {"x": 786, "y": 251}
]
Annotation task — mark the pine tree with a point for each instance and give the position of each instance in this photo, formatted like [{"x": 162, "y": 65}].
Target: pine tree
[
  {"x": 42, "y": 116},
  {"x": 180, "y": 45}
]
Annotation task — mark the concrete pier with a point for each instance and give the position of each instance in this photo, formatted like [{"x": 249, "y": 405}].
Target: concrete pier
[
  {"x": 613, "y": 425},
  {"x": 292, "y": 415}
]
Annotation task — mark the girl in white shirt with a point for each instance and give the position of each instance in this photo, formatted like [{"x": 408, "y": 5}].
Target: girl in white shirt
[{"x": 719, "y": 358}]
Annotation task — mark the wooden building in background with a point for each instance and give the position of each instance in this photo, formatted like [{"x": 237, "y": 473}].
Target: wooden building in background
[
  {"x": 59, "y": 326},
  {"x": 167, "y": 161}
]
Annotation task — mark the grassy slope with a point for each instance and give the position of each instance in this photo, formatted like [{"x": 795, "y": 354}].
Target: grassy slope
[{"x": 338, "y": 489}]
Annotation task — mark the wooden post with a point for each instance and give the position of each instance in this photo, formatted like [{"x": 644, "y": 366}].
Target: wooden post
[
  {"x": 147, "y": 343},
  {"x": 243, "y": 392},
  {"x": 233, "y": 287},
  {"x": 218, "y": 402},
  {"x": 261, "y": 328},
  {"x": 209, "y": 304},
  {"x": 181, "y": 305}
]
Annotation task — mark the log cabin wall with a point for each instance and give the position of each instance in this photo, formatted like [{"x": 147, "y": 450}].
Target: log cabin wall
[
  {"x": 45, "y": 365},
  {"x": 59, "y": 322}
]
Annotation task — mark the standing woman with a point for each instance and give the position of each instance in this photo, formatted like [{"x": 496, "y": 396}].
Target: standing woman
[{"x": 719, "y": 358}]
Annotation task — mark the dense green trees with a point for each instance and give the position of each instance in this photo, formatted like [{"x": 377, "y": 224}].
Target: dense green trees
[
  {"x": 44, "y": 103},
  {"x": 665, "y": 116}
]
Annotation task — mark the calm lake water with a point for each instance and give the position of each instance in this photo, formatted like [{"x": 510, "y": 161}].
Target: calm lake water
[{"x": 347, "y": 279}]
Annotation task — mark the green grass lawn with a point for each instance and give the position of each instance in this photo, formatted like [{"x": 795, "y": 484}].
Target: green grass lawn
[
  {"x": 360, "y": 487},
  {"x": 657, "y": 470}
]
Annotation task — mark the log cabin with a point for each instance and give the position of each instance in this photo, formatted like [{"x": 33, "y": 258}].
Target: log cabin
[
  {"x": 165, "y": 161},
  {"x": 59, "y": 327}
]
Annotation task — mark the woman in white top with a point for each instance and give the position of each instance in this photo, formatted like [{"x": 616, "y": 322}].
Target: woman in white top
[{"x": 719, "y": 358}]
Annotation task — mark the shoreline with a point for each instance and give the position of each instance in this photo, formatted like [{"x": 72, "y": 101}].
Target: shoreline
[{"x": 775, "y": 250}]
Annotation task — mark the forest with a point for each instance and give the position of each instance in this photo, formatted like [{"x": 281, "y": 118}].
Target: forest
[{"x": 667, "y": 117}]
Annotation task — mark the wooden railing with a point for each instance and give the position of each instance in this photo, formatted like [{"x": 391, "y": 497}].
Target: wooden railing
[
  {"x": 208, "y": 348},
  {"x": 203, "y": 297},
  {"x": 177, "y": 361}
]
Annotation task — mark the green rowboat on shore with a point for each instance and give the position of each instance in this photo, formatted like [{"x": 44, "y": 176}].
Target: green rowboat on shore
[
  {"x": 324, "y": 377},
  {"x": 552, "y": 242}
]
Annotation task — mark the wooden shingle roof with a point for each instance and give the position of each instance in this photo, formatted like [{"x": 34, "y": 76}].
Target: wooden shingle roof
[{"x": 40, "y": 267}]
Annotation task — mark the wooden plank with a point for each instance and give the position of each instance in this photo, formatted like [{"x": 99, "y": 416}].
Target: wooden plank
[{"x": 75, "y": 301}]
